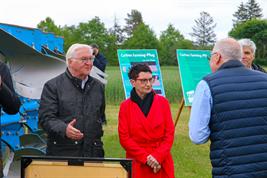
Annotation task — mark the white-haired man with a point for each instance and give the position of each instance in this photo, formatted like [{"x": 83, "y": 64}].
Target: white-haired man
[
  {"x": 248, "y": 56},
  {"x": 72, "y": 105},
  {"x": 229, "y": 109}
]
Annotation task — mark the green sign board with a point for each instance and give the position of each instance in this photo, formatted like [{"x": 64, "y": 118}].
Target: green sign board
[
  {"x": 127, "y": 58},
  {"x": 193, "y": 66}
]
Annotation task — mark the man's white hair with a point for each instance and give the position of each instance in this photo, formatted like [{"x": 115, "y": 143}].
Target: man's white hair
[
  {"x": 71, "y": 53},
  {"x": 229, "y": 48},
  {"x": 248, "y": 43}
]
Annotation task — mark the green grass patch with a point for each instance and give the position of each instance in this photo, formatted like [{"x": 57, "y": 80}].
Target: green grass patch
[
  {"x": 172, "y": 83},
  {"x": 114, "y": 88}
]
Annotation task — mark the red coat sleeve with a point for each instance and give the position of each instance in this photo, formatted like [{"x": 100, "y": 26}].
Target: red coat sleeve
[
  {"x": 165, "y": 147},
  {"x": 126, "y": 141}
]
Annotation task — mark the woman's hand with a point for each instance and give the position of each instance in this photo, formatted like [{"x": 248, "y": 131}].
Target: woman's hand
[
  {"x": 156, "y": 169},
  {"x": 153, "y": 163}
]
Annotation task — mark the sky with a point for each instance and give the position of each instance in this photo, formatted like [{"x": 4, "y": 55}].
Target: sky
[{"x": 158, "y": 14}]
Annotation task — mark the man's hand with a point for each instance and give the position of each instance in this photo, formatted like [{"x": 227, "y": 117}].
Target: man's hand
[
  {"x": 153, "y": 163},
  {"x": 72, "y": 132}
]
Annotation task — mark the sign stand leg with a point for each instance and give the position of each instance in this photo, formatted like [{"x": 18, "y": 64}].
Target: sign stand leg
[{"x": 179, "y": 111}]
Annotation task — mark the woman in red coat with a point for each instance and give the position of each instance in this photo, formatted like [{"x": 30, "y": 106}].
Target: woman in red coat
[{"x": 146, "y": 127}]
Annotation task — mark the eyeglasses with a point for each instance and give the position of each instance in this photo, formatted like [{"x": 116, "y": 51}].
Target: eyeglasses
[
  {"x": 210, "y": 56},
  {"x": 86, "y": 59},
  {"x": 145, "y": 81}
]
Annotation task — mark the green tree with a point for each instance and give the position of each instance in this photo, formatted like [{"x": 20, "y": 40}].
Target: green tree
[
  {"x": 261, "y": 42},
  {"x": 132, "y": 21},
  {"x": 248, "y": 11},
  {"x": 70, "y": 35},
  {"x": 170, "y": 40},
  {"x": 203, "y": 31},
  {"x": 118, "y": 32},
  {"x": 48, "y": 25},
  {"x": 93, "y": 31},
  {"x": 110, "y": 50},
  {"x": 143, "y": 38},
  {"x": 253, "y": 10},
  {"x": 240, "y": 15},
  {"x": 254, "y": 29}
]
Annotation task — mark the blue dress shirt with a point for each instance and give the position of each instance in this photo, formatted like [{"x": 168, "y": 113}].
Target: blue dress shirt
[{"x": 199, "y": 130}]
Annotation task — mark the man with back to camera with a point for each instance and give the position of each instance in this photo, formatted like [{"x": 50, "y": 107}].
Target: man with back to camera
[
  {"x": 9, "y": 101},
  {"x": 248, "y": 56},
  {"x": 71, "y": 107},
  {"x": 230, "y": 109}
]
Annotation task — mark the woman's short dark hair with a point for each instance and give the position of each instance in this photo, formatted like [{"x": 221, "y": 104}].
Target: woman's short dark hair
[{"x": 136, "y": 69}]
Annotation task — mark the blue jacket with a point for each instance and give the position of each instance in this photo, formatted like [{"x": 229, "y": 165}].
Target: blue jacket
[
  {"x": 100, "y": 62},
  {"x": 238, "y": 122}
]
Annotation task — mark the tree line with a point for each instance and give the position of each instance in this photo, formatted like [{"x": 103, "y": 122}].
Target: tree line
[{"x": 136, "y": 34}]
